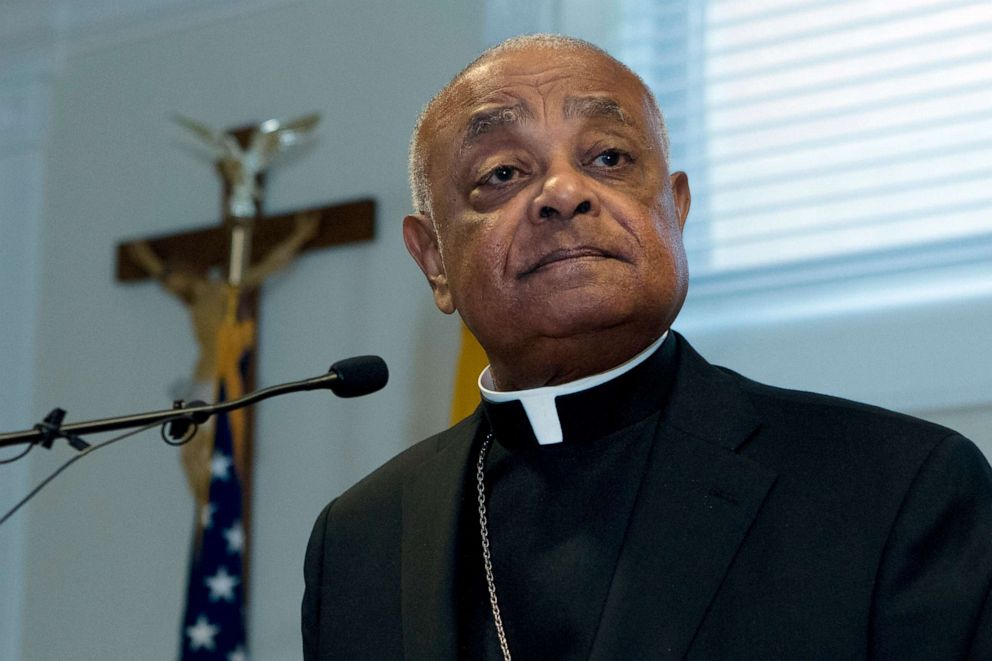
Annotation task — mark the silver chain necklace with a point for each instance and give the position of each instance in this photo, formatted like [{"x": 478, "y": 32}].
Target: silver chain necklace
[{"x": 487, "y": 560}]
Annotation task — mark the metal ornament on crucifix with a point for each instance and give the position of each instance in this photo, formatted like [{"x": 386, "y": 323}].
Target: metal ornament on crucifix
[
  {"x": 243, "y": 171},
  {"x": 249, "y": 247}
]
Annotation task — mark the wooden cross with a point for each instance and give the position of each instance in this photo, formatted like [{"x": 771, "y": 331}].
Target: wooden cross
[{"x": 187, "y": 264}]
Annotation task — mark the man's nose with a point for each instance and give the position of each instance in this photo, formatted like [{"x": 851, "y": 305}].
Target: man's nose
[{"x": 566, "y": 193}]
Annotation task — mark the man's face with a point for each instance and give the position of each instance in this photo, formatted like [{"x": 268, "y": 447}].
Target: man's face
[{"x": 554, "y": 213}]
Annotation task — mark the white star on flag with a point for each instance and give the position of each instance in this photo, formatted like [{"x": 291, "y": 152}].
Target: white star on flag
[
  {"x": 201, "y": 635},
  {"x": 222, "y": 585},
  {"x": 219, "y": 466},
  {"x": 235, "y": 536},
  {"x": 207, "y": 515},
  {"x": 238, "y": 655}
]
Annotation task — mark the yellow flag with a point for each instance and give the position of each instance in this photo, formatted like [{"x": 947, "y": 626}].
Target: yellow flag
[{"x": 471, "y": 361}]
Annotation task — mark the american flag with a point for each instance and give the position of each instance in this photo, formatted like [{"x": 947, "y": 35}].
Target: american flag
[{"x": 214, "y": 624}]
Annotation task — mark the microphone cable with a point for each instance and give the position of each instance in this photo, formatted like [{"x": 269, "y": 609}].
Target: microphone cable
[
  {"x": 18, "y": 456},
  {"x": 90, "y": 450}
]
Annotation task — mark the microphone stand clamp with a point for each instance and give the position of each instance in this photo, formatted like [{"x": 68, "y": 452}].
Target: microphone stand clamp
[
  {"x": 181, "y": 430},
  {"x": 51, "y": 430}
]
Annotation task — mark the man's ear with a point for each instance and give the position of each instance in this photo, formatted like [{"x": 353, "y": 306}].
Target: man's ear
[
  {"x": 681, "y": 195},
  {"x": 423, "y": 245}
]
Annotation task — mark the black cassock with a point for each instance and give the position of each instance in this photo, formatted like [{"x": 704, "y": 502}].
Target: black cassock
[{"x": 690, "y": 513}]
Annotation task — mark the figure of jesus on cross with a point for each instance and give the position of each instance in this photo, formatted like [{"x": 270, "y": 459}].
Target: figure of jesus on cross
[
  {"x": 222, "y": 321},
  {"x": 213, "y": 305},
  {"x": 251, "y": 247}
]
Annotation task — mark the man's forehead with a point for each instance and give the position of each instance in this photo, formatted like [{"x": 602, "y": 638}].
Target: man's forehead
[
  {"x": 491, "y": 118},
  {"x": 498, "y": 80},
  {"x": 511, "y": 87},
  {"x": 543, "y": 69}
]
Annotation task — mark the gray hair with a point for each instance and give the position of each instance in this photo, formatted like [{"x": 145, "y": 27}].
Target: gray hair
[{"x": 419, "y": 161}]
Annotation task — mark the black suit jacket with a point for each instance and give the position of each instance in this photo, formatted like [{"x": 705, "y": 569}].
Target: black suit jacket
[{"x": 772, "y": 524}]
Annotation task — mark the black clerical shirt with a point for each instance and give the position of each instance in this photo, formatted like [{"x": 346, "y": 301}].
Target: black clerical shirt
[{"x": 558, "y": 514}]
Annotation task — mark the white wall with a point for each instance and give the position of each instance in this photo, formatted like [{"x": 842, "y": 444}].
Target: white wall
[
  {"x": 106, "y": 544},
  {"x": 23, "y": 103}
]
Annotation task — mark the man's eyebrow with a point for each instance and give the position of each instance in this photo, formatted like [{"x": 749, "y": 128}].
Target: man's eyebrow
[
  {"x": 595, "y": 107},
  {"x": 491, "y": 119}
]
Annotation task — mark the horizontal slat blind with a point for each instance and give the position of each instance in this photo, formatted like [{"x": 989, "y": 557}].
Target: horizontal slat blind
[{"x": 825, "y": 130}]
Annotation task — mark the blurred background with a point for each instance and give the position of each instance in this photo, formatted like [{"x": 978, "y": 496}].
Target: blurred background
[{"x": 840, "y": 240}]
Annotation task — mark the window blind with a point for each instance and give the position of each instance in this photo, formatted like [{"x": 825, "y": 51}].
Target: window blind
[{"x": 823, "y": 138}]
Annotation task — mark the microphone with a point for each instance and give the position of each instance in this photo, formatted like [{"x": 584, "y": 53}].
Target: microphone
[
  {"x": 351, "y": 377},
  {"x": 359, "y": 375}
]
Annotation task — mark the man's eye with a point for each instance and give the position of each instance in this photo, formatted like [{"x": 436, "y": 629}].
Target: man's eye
[
  {"x": 609, "y": 158},
  {"x": 501, "y": 174}
]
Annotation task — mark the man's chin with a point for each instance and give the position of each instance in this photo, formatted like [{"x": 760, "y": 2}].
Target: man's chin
[{"x": 562, "y": 322}]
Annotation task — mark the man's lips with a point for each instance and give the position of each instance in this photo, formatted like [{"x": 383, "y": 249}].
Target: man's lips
[{"x": 567, "y": 254}]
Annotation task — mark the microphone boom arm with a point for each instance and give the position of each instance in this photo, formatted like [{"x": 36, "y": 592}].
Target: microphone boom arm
[{"x": 351, "y": 377}]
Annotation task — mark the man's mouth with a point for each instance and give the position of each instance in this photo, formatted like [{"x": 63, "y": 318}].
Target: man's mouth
[{"x": 566, "y": 255}]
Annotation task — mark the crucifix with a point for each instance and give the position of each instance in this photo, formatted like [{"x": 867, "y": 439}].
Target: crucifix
[{"x": 217, "y": 271}]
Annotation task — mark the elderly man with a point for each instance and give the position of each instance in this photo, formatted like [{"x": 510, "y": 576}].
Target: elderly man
[{"x": 616, "y": 496}]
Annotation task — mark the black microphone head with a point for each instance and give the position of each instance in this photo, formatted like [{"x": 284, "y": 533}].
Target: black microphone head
[{"x": 359, "y": 375}]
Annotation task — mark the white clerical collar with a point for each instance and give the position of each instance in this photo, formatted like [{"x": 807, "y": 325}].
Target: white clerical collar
[{"x": 539, "y": 403}]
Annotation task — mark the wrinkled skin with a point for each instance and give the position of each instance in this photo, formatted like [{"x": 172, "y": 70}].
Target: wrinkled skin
[{"x": 557, "y": 229}]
